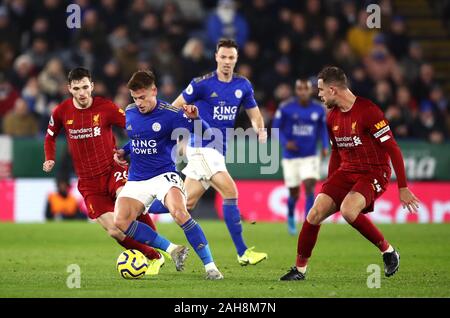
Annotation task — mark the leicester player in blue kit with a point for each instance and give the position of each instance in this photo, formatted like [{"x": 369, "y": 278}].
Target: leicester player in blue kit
[
  {"x": 218, "y": 96},
  {"x": 302, "y": 123},
  {"x": 152, "y": 175}
]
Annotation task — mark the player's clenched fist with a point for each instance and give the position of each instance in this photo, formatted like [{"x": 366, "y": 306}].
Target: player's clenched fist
[
  {"x": 119, "y": 157},
  {"x": 262, "y": 135},
  {"x": 191, "y": 111},
  {"x": 48, "y": 165}
]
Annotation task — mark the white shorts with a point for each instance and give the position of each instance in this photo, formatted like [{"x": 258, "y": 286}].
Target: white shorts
[
  {"x": 146, "y": 191},
  {"x": 203, "y": 163},
  {"x": 298, "y": 169}
]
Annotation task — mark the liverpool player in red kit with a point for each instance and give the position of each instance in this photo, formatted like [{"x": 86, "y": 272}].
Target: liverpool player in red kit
[
  {"x": 358, "y": 173},
  {"x": 88, "y": 122}
]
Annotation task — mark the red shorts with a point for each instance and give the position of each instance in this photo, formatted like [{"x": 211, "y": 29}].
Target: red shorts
[
  {"x": 370, "y": 184},
  {"x": 100, "y": 193}
]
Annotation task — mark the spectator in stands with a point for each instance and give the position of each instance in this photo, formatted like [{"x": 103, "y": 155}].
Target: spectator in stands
[
  {"x": 51, "y": 78},
  {"x": 20, "y": 122},
  {"x": 314, "y": 16},
  {"x": 226, "y": 22},
  {"x": 344, "y": 56},
  {"x": 39, "y": 52},
  {"x": 110, "y": 14},
  {"x": 397, "y": 40},
  {"x": 61, "y": 205},
  {"x": 428, "y": 126},
  {"x": 260, "y": 13},
  {"x": 383, "y": 95},
  {"x": 422, "y": 87},
  {"x": 411, "y": 63},
  {"x": 23, "y": 69},
  {"x": 401, "y": 115},
  {"x": 298, "y": 31},
  {"x": 360, "y": 82},
  {"x": 194, "y": 61},
  {"x": 360, "y": 37},
  {"x": 252, "y": 55},
  {"x": 8, "y": 95},
  {"x": 8, "y": 32}
]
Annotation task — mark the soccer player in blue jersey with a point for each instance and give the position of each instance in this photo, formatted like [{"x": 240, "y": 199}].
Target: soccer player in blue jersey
[
  {"x": 152, "y": 175},
  {"x": 302, "y": 123},
  {"x": 218, "y": 96}
]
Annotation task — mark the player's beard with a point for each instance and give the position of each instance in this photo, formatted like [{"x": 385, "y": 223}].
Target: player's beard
[{"x": 330, "y": 104}]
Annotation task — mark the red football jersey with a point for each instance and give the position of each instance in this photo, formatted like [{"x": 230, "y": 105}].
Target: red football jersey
[
  {"x": 359, "y": 136},
  {"x": 88, "y": 133}
]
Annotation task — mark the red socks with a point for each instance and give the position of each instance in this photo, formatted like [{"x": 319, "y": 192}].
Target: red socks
[
  {"x": 128, "y": 243},
  {"x": 363, "y": 224},
  {"x": 306, "y": 241}
]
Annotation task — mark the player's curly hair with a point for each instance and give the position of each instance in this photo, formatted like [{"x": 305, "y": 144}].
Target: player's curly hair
[
  {"x": 334, "y": 75},
  {"x": 141, "y": 79}
]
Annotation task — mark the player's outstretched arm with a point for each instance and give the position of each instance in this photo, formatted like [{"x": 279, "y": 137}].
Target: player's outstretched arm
[{"x": 179, "y": 102}]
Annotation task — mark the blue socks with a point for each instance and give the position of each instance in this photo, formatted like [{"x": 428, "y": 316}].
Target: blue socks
[
  {"x": 309, "y": 203},
  {"x": 197, "y": 239},
  {"x": 233, "y": 221},
  {"x": 143, "y": 233},
  {"x": 291, "y": 206},
  {"x": 157, "y": 207}
]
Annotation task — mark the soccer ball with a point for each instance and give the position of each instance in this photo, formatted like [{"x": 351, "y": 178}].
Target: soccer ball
[{"x": 132, "y": 264}]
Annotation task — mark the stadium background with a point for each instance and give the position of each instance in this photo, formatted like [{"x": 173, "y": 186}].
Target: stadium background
[{"x": 404, "y": 66}]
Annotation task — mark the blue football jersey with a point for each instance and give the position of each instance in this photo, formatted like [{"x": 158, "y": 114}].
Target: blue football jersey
[
  {"x": 151, "y": 142},
  {"x": 219, "y": 103},
  {"x": 305, "y": 125}
]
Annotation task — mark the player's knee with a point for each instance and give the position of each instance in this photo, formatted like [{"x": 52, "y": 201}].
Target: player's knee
[
  {"x": 180, "y": 215},
  {"x": 349, "y": 212},
  {"x": 314, "y": 216},
  {"x": 191, "y": 203}
]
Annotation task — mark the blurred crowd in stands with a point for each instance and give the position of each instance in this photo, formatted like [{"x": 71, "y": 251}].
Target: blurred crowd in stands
[{"x": 279, "y": 41}]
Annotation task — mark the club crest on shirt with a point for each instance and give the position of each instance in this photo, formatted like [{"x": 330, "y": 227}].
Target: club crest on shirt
[
  {"x": 96, "y": 120},
  {"x": 189, "y": 89},
  {"x": 336, "y": 128},
  {"x": 69, "y": 121},
  {"x": 156, "y": 126},
  {"x": 314, "y": 116},
  {"x": 354, "y": 128},
  {"x": 238, "y": 93}
]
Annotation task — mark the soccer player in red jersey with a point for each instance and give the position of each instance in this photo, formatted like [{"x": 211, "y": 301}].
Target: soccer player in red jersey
[
  {"x": 358, "y": 172},
  {"x": 88, "y": 122}
]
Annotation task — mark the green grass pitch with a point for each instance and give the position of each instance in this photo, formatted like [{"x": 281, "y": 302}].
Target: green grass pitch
[{"x": 34, "y": 260}]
